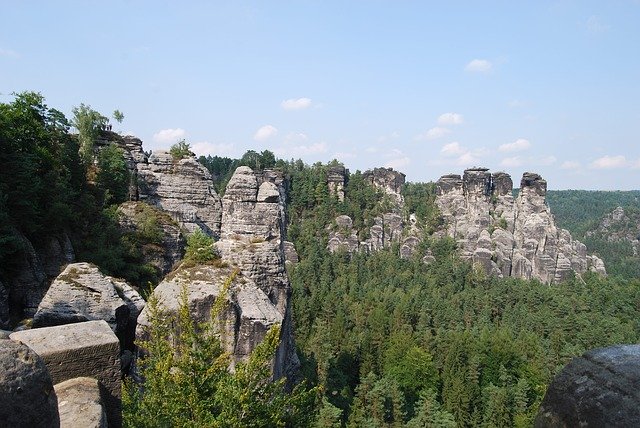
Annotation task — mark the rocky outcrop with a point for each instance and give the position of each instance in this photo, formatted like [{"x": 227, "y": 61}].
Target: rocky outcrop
[
  {"x": 290, "y": 253},
  {"x": 165, "y": 240},
  {"x": 252, "y": 238},
  {"x": 87, "y": 349},
  {"x": 80, "y": 404},
  {"x": 27, "y": 397},
  {"x": 183, "y": 188},
  {"x": 388, "y": 180},
  {"x": 336, "y": 180},
  {"x": 599, "y": 389},
  {"x": 132, "y": 152},
  {"x": 82, "y": 293},
  {"x": 509, "y": 236},
  {"x": 245, "y": 319},
  {"x": 620, "y": 226}
]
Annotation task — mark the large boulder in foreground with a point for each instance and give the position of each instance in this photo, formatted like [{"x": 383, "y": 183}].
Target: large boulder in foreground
[
  {"x": 27, "y": 397},
  {"x": 599, "y": 389},
  {"x": 83, "y": 293}
]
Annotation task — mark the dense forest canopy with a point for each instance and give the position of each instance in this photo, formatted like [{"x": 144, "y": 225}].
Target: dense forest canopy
[{"x": 387, "y": 341}]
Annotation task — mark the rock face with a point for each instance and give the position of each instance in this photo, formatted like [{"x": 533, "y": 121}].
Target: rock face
[
  {"x": 509, "y": 236},
  {"x": 243, "y": 322},
  {"x": 88, "y": 349},
  {"x": 183, "y": 188},
  {"x": 82, "y": 293},
  {"x": 27, "y": 397},
  {"x": 252, "y": 238},
  {"x": 599, "y": 389},
  {"x": 168, "y": 246},
  {"x": 388, "y": 180},
  {"x": 80, "y": 404},
  {"x": 620, "y": 226},
  {"x": 336, "y": 180}
]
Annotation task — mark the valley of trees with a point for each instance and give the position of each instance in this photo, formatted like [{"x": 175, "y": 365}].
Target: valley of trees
[{"x": 383, "y": 341}]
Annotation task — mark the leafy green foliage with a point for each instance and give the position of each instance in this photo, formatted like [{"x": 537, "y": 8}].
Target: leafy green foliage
[
  {"x": 118, "y": 116},
  {"x": 113, "y": 176},
  {"x": 222, "y": 168},
  {"x": 200, "y": 248},
  {"x": 187, "y": 382},
  {"x": 89, "y": 124},
  {"x": 181, "y": 150}
]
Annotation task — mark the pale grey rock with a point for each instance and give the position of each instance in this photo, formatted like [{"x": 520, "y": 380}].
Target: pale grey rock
[
  {"x": 252, "y": 238},
  {"x": 87, "y": 349},
  {"x": 27, "y": 397},
  {"x": 134, "y": 217},
  {"x": 509, "y": 237},
  {"x": 619, "y": 226},
  {"x": 409, "y": 247},
  {"x": 336, "y": 180},
  {"x": 388, "y": 180},
  {"x": 343, "y": 237},
  {"x": 290, "y": 253},
  {"x": 599, "y": 389},
  {"x": 183, "y": 188},
  {"x": 82, "y": 293},
  {"x": 80, "y": 404},
  {"x": 245, "y": 319}
]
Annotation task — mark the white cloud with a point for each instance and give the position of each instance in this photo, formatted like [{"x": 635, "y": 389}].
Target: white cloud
[
  {"x": 169, "y": 135},
  {"x": 609, "y": 162},
  {"x": 467, "y": 159},
  {"x": 265, "y": 132},
  {"x": 398, "y": 163},
  {"x": 452, "y": 149},
  {"x": 570, "y": 165},
  {"x": 302, "y": 150},
  {"x": 479, "y": 66},
  {"x": 205, "y": 148},
  {"x": 595, "y": 25},
  {"x": 547, "y": 160},
  {"x": 8, "y": 52},
  {"x": 517, "y": 146},
  {"x": 433, "y": 134},
  {"x": 511, "y": 162},
  {"x": 296, "y": 103},
  {"x": 450, "y": 119}
]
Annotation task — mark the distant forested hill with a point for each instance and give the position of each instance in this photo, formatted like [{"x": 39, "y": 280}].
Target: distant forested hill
[{"x": 582, "y": 213}]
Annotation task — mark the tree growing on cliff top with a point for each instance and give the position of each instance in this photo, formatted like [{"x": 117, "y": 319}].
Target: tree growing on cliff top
[
  {"x": 89, "y": 123},
  {"x": 181, "y": 150}
]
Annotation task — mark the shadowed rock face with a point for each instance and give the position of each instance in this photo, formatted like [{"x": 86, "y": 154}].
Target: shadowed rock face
[
  {"x": 509, "y": 236},
  {"x": 336, "y": 180},
  {"x": 183, "y": 188},
  {"x": 388, "y": 180},
  {"x": 599, "y": 389}
]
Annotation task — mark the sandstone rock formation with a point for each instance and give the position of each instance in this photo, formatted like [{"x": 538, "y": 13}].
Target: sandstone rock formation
[
  {"x": 80, "y": 404},
  {"x": 509, "y": 236},
  {"x": 183, "y": 188},
  {"x": 388, "y": 180},
  {"x": 599, "y": 389},
  {"x": 82, "y": 293},
  {"x": 336, "y": 180},
  {"x": 133, "y": 155},
  {"x": 620, "y": 226},
  {"x": 27, "y": 397},
  {"x": 87, "y": 349},
  {"x": 252, "y": 238},
  {"x": 245, "y": 319},
  {"x": 139, "y": 218}
]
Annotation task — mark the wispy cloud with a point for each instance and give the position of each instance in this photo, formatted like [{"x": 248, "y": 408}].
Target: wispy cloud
[
  {"x": 517, "y": 146},
  {"x": 169, "y": 135},
  {"x": 512, "y": 162},
  {"x": 479, "y": 66},
  {"x": 205, "y": 148},
  {"x": 296, "y": 103},
  {"x": 433, "y": 133},
  {"x": 570, "y": 165},
  {"x": 595, "y": 25},
  {"x": 8, "y": 52},
  {"x": 452, "y": 149},
  {"x": 398, "y": 163},
  {"x": 450, "y": 119},
  {"x": 609, "y": 162},
  {"x": 265, "y": 132}
]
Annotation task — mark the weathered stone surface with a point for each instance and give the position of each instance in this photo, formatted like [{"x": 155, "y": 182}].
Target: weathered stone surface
[
  {"x": 82, "y": 293},
  {"x": 80, "y": 404},
  {"x": 620, "y": 226},
  {"x": 183, "y": 188},
  {"x": 507, "y": 236},
  {"x": 56, "y": 253},
  {"x": 27, "y": 397},
  {"x": 343, "y": 237},
  {"x": 336, "y": 180},
  {"x": 599, "y": 389},
  {"x": 290, "y": 253},
  {"x": 388, "y": 180},
  {"x": 88, "y": 349},
  {"x": 243, "y": 322},
  {"x": 252, "y": 238},
  {"x": 137, "y": 217}
]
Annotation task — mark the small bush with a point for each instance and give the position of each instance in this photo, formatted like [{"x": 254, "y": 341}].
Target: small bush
[
  {"x": 200, "y": 248},
  {"x": 180, "y": 150}
]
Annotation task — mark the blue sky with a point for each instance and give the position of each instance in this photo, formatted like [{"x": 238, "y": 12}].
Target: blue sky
[{"x": 428, "y": 88}]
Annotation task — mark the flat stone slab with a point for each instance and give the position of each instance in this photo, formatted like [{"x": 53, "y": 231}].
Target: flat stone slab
[{"x": 87, "y": 349}]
